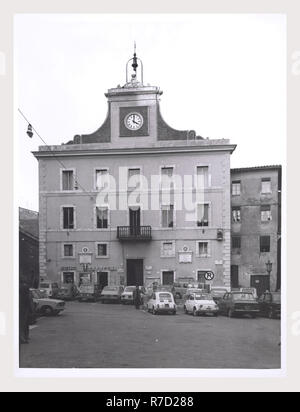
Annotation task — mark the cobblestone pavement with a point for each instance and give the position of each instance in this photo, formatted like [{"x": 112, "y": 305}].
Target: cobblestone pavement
[{"x": 94, "y": 335}]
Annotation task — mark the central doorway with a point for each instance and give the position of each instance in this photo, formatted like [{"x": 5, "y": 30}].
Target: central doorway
[{"x": 135, "y": 272}]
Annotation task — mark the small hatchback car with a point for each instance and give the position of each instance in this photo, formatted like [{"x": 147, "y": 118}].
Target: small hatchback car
[
  {"x": 201, "y": 304},
  {"x": 161, "y": 302}
]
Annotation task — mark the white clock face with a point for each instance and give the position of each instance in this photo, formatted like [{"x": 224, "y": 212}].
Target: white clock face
[{"x": 134, "y": 121}]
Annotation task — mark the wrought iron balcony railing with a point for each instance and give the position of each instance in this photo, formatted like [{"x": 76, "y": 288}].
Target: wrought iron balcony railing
[{"x": 134, "y": 233}]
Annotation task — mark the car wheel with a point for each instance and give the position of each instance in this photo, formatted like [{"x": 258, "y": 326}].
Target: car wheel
[
  {"x": 154, "y": 311},
  {"x": 174, "y": 312},
  {"x": 195, "y": 312},
  {"x": 216, "y": 315},
  {"x": 185, "y": 310},
  {"x": 47, "y": 311},
  {"x": 230, "y": 313},
  {"x": 271, "y": 314}
]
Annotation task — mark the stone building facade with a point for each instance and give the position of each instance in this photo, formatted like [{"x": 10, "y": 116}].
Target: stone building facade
[
  {"x": 115, "y": 205},
  {"x": 256, "y": 227},
  {"x": 29, "y": 246}
]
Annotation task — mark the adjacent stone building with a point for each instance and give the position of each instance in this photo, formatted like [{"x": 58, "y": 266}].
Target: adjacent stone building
[
  {"x": 135, "y": 234},
  {"x": 29, "y": 246},
  {"x": 256, "y": 227}
]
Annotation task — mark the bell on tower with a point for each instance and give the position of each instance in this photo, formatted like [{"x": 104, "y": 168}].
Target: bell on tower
[{"x": 134, "y": 82}]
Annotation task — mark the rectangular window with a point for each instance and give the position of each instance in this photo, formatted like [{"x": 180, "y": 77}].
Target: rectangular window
[
  {"x": 203, "y": 215},
  {"x": 166, "y": 176},
  {"x": 67, "y": 180},
  {"x": 203, "y": 249},
  {"x": 265, "y": 244},
  {"x": 68, "y": 218},
  {"x": 236, "y": 188},
  {"x": 68, "y": 250},
  {"x": 168, "y": 277},
  {"x": 202, "y": 177},
  {"x": 134, "y": 178},
  {"x": 266, "y": 185},
  {"x": 102, "y": 250},
  {"x": 266, "y": 214},
  {"x": 102, "y": 217},
  {"x": 236, "y": 214},
  {"x": 167, "y": 216},
  {"x": 102, "y": 178},
  {"x": 168, "y": 249},
  {"x": 236, "y": 242}
]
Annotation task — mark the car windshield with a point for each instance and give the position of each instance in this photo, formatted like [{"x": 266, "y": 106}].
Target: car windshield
[
  {"x": 276, "y": 297},
  {"x": 243, "y": 296},
  {"x": 219, "y": 292},
  {"x": 195, "y": 291},
  {"x": 129, "y": 289},
  {"x": 110, "y": 289},
  {"x": 37, "y": 294},
  {"x": 44, "y": 285},
  {"x": 203, "y": 297},
  {"x": 165, "y": 296}
]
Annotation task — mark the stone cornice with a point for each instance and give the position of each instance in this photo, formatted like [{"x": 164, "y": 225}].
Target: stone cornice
[{"x": 135, "y": 151}]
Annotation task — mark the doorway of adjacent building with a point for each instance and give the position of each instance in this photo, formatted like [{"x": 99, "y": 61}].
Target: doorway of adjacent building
[
  {"x": 68, "y": 277},
  {"x": 261, "y": 283},
  {"x": 168, "y": 277},
  {"x": 235, "y": 281},
  {"x": 135, "y": 272},
  {"x": 102, "y": 279},
  {"x": 134, "y": 220}
]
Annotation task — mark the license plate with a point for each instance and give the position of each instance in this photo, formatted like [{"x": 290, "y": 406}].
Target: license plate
[{"x": 167, "y": 306}]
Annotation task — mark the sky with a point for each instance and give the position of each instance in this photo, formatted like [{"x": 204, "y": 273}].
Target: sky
[{"x": 223, "y": 75}]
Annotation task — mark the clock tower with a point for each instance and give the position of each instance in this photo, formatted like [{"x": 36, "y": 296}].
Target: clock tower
[{"x": 133, "y": 118}]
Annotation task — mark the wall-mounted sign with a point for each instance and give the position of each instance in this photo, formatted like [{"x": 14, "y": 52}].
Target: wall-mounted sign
[
  {"x": 185, "y": 255},
  {"x": 68, "y": 268}
]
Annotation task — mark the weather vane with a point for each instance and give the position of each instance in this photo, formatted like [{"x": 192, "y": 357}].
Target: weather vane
[{"x": 135, "y": 63}]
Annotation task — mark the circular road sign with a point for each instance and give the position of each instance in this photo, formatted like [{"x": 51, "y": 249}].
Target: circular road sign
[{"x": 209, "y": 275}]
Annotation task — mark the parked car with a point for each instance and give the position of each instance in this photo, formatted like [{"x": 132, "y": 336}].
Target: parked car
[
  {"x": 111, "y": 294},
  {"x": 51, "y": 289},
  {"x": 218, "y": 293},
  {"x": 161, "y": 302},
  {"x": 67, "y": 291},
  {"x": 200, "y": 304},
  {"x": 89, "y": 292},
  {"x": 191, "y": 290},
  {"x": 235, "y": 303},
  {"x": 46, "y": 306},
  {"x": 181, "y": 286},
  {"x": 270, "y": 305},
  {"x": 127, "y": 295}
]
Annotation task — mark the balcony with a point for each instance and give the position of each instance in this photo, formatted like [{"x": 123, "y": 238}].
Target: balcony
[{"x": 134, "y": 233}]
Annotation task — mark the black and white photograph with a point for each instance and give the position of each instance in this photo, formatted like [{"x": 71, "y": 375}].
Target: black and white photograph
[{"x": 149, "y": 189}]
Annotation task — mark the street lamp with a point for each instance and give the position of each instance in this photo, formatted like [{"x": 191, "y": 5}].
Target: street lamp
[{"x": 269, "y": 266}]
